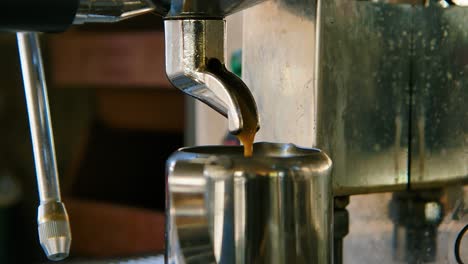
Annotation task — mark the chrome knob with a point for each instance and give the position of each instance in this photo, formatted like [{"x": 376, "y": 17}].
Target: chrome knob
[{"x": 54, "y": 230}]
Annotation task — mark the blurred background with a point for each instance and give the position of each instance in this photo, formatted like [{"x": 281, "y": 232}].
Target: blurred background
[{"x": 116, "y": 119}]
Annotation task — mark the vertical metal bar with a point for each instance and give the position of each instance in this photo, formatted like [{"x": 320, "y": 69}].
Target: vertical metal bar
[
  {"x": 53, "y": 224},
  {"x": 39, "y": 117}
]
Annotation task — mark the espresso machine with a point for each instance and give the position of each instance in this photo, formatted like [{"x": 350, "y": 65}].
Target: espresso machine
[
  {"x": 349, "y": 97},
  {"x": 367, "y": 83}
]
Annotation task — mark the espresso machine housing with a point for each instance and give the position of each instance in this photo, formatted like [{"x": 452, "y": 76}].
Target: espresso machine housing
[{"x": 379, "y": 86}]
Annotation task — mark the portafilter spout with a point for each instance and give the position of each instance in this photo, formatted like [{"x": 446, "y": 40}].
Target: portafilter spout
[{"x": 195, "y": 65}]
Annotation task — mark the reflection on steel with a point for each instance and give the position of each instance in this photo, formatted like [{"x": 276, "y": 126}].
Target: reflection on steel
[
  {"x": 195, "y": 65},
  {"x": 208, "y": 9},
  {"x": 365, "y": 94},
  {"x": 439, "y": 146},
  {"x": 346, "y": 100},
  {"x": 363, "y": 106},
  {"x": 380, "y": 88},
  {"x": 53, "y": 224},
  {"x": 110, "y": 11},
  {"x": 426, "y": 3},
  {"x": 272, "y": 208}
]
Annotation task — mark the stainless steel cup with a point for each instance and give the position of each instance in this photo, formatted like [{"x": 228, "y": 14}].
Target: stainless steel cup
[{"x": 274, "y": 207}]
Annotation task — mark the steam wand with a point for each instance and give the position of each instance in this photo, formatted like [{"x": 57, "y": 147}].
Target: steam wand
[{"x": 52, "y": 219}]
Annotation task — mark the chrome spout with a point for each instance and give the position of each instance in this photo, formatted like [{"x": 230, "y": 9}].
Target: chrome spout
[{"x": 195, "y": 65}]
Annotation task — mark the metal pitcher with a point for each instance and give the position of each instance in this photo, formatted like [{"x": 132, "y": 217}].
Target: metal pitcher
[{"x": 274, "y": 207}]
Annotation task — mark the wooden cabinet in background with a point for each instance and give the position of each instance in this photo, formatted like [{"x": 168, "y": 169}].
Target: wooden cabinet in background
[
  {"x": 108, "y": 59},
  {"x": 148, "y": 110}
]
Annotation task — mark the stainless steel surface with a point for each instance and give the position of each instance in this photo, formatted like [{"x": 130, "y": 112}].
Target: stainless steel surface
[
  {"x": 426, "y": 3},
  {"x": 275, "y": 207},
  {"x": 110, "y": 11},
  {"x": 439, "y": 127},
  {"x": 53, "y": 225},
  {"x": 364, "y": 94},
  {"x": 195, "y": 65},
  {"x": 350, "y": 79},
  {"x": 279, "y": 58},
  {"x": 197, "y": 9},
  {"x": 334, "y": 93},
  {"x": 380, "y": 88},
  {"x": 157, "y": 259}
]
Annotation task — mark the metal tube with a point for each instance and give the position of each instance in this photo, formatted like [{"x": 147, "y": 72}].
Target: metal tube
[
  {"x": 53, "y": 224},
  {"x": 39, "y": 116}
]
